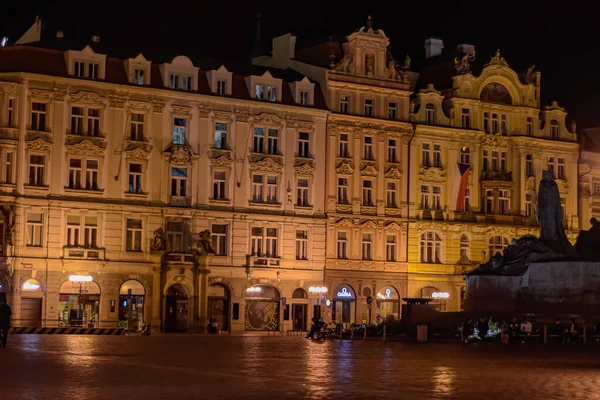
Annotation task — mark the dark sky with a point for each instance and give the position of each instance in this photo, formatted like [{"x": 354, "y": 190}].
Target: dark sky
[{"x": 560, "y": 37}]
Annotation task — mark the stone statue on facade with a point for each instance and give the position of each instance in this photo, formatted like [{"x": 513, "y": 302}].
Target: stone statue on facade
[
  {"x": 573, "y": 126},
  {"x": 344, "y": 64},
  {"x": 369, "y": 64},
  {"x": 205, "y": 243},
  {"x": 393, "y": 70},
  {"x": 406, "y": 64},
  {"x": 158, "y": 242},
  {"x": 8, "y": 212},
  {"x": 530, "y": 75},
  {"x": 463, "y": 66},
  {"x": 588, "y": 242}
]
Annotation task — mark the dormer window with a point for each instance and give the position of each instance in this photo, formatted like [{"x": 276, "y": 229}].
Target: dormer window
[
  {"x": 268, "y": 93},
  {"x": 138, "y": 77},
  {"x": 221, "y": 88},
  {"x": 187, "y": 83},
  {"x": 81, "y": 71},
  {"x": 260, "y": 92},
  {"x": 272, "y": 92},
  {"x": 174, "y": 81},
  {"x": 303, "y": 97},
  {"x": 554, "y": 131},
  {"x": 180, "y": 74},
  {"x": 430, "y": 108},
  {"x": 85, "y": 63}
]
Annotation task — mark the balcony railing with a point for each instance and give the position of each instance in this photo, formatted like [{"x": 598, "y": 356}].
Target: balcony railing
[
  {"x": 487, "y": 175},
  {"x": 84, "y": 253},
  {"x": 264, "y": 261},
  {"x": 177, "y": 257}
]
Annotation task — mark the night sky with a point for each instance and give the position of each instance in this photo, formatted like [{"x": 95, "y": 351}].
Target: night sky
[{"x": 559, "y": 37}]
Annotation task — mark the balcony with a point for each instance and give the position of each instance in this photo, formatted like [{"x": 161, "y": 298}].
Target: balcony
[
  {"x": 179, "y": 258},
  {"x": 264, "y": 261},
  {"x": 84, "y": 253},
  {"x": 496, "y": 176}
]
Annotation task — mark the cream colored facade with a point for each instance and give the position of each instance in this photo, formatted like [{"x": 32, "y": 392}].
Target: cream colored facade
[
  {"x": 89, "y": 196},
  {"x": 589, "y": 178}
]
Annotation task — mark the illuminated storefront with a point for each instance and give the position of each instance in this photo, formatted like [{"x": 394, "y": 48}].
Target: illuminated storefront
[
  {"x": 438, "y": 297},
  {"x": 218, "y": 305},
  {"x": 131, "y": 305},
  {"x": 344, "y": 305},
  {"x": 388, "y": 302},
  {"x": 31, "y": 303},
  {"x": 79, "y": 302},
  {"x": 262, "y": 308}
]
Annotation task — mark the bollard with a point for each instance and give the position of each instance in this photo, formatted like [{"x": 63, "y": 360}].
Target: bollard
[
  {"x": 384, "y": 332},
  {"x": 365, "y": 333},
  {"x": 545, "y": 334}
]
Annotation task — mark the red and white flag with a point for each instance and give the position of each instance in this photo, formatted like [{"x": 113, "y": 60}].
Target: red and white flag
[{"x": 459, "y": 188}]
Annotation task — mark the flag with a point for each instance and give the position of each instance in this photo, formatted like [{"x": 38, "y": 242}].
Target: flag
[{"x": 459, "y": 187}]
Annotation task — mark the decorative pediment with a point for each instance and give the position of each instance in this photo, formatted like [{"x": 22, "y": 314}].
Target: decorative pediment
[
  {"x": 223, "y": 115},
  {"x": 369, "y": 225},
  {"x": 344, "y": 169},
  {"x": 369, "y": 170},
  {"x": 158, "y": 106},
  {"x": 393, "y": 173},
  {"x": 304, "y": 169},
  {"x": 181, "y": 110},
  {"x": 87, "y": 98},
  {"x": 181, "y": 156},
  {"x": 221, "y": 162},
  {"x": 138, "y": 106},
  {"x": 39, "y": 144},
  {"x": 495, "y": 140},
  {"x": 393, "y": 227},
  {"x": 266, "y": 165},
  {"x": 85, "y": 148},
  {"x": 267, "y": 119},
  {"x": 344, "y": 223},
  {"x": 117, "y": 101},
  {"x": 431, "y": 174},
  {"x": 43, "y": 95},
  {"x": 137, "y": 154}
]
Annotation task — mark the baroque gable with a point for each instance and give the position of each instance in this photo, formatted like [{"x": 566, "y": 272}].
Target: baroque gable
[
  {"x": 266, "y": 165},
  {"x": 180, "y": 155},
  {"x": 344, "y": 223},
  {"x": 137, "y": 154},
  {"x": 39, "y": 144},
  {"x": 304, "y": 169},
  {"x": 138, "y": 106},
  {"x": 221, "y": 162},
  {"x": 344, "y": 169},
  {"x": 87, "y": 98},
  {"x": 369, "y": 170},
  {"x": 85, "y": 148},
  {"x": 492, "y": 140},
  {"x": 267, "y": 119},
  {"x": 431, "y": 174},
  {"x": 393, "y": 173}
]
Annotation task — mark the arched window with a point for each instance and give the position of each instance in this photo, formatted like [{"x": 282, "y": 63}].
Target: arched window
[
  {"x": 554, "y": 131},
  {"x": 431, "y": 248},
  {"x": 430, "y": 109},
  {"x": 465, "y": 248},
  {"x": 497, "y": 245},
  {"x": 465, "y": 155},
  {"x": 496, "y": 93},
  {"x": 528, "y": 165},
  {"x": 299, "y": 294}
]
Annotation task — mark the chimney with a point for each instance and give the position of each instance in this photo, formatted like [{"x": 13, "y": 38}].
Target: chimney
[
  {"x": 60, "y": 34},
  {"x": 95, "y": 38},
  {"x": 465, "y": 48},
  {"x": 433, "y": 47}
]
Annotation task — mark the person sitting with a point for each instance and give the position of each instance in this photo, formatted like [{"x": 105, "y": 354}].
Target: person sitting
[
  {"x": 313, "y": 329},
  {"x": 572, "y": 334},
  {"x": 525, "y": 329}
]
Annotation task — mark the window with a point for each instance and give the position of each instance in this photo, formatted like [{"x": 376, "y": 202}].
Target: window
[
  {"x": 344, "y": 151},
  {"x": 174, "y": 81},
  {"x": 303, "y": 144},
  {"x": 437, "y": 198},
  {"x": 504, "y": 202},
  {"x": 495, "y": 123},
  {"x": 137, "y": 127},
  {"x": 554, "y": 132},
  {"x": 302, "y": 199},
  {"x": 430, "y": 110},
  {"x": 426, "y": 155},
  {"x": 528, "y": 165},
  {"x": 133, "y": 241},
  {"x": 271, "y": 189},
  {"x": 301, "y": 245},
  {"x": 272, "y": 93},
  {"x": 489, "y": 201},
  {"x": 431, "y": 247},
  {"x": 344, "y": 104},
  {"x": 303, "y": 97},
  {"x": 465, "y": 251},
  {"x": 77, "y": 120},
  {"x": 392, "y": 189},
  {"x": 467, "y": 201},
  {"x": 8, "y": 177},
  {"x": 138, "y": 77},
  {"x": 34, "y": 229},
  {"x": 257, "y": 188},
  {"x": 367, "y": 246},
  {"x": 79, "y": 168},
  {"x": 529, "y": 126},
  {"x": 178, "y": 131},
  {"x": 11, "y": 113},
  {"x": 497, "y": 244},
  {"x": 36, "y": 170},
  {"x": 73, "y": 230},
  {"x": 367, "y": 192},
  {"x": 486, "y": 122},
  {"x": 187, "y": 83},
  {"x": 465, "y": 156},
  {"x": 528, "y": 205},
  {"x": 424, "y": 197},
  {"x": 257, "y": 241},
  {"x": 486, "y": 160},
  {"x": 596, "y": 187},
  {"x": 392, "y": 110},
  {"x": 135, "y": 178},
  {"x": 219, "y": 239},
  {"x": 178, "y": 181},
  {"x": 219, "y": 184},
  {"x": 392, "y": 151},
  {"x": 390, "y": 248},
  {"x": 38, "y": 116},
  {"x": 342, "y": 191},
  {"x": 503, "y": 163},
  {"x": 271, "y": 242},
  {"x": 259, "y": 92},
  {"x": 561, "y": 174},
  {"x": 342, "y": 245},
  {"x": 273, "y": 142},
  {"x": 90, "y": 233},
  {"x": 503, "y": 125},
  {"x": 466, "y": 118},
  {"x": 79, "y": 69},
  {"x": 368, "y": 107},
  {"x": 259, "y": 140},
  {"x": 368, "y": 148},
  {"x": 551, "y": 164},
  {"x": 91, "y": 175},
  {"x": 93, "y": 70},
  {"x": 437, "y": 155},
  {"x": 220, "y": 135},
  {"x": 175, "y": 236},
  {"x": 221, "y": 88}
]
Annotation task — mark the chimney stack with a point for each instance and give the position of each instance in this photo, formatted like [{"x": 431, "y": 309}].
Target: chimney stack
[
  {"x": 95, "y": 38},
  {"x": 60, "y": 34},
  {"x": 433, "y": 47},
  {"x": 465, "y": 48}
]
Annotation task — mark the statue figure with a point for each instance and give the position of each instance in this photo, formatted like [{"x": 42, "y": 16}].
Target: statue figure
[
  {"x": 369, "y": 64},
  {"x": 588, "y": 242},
  {"x": 158, "y": 241},
  {"x": 573, "y": 126},
  {"x": 406, "y": 64},
  {"x": 343, "y": 65},
  {"x": 463, "y": 66},
  {"x": 8, "y": 211},
  {"x": 530, "y": 75},
  {"x": 205, "y": 243},
  {"x": 392, "y": 70}
]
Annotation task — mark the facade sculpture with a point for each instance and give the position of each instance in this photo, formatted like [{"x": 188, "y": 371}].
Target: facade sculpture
[
  {"x": 205, "y": 243},
  {"x": 158, "y": 241}
]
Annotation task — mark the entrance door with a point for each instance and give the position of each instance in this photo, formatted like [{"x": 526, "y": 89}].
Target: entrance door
[
  {"x": 299, "y": 312},
  {"x": 219, "y": 309},
  {"x": 31, "y": 312},
  {"x": 176, "y": 312}
]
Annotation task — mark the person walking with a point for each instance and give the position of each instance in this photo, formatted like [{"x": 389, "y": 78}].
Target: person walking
[{"x": 5, "y": 313}]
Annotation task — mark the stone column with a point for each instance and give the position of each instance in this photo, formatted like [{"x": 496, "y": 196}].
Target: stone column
[{"x": 201, "y": 273}]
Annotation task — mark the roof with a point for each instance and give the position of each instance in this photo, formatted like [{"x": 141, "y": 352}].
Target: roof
[
  {"x": 589, "y": 140},
  {"x": 47, "y": 58}
]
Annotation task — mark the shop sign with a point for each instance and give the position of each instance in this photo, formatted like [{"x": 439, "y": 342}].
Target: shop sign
[
  {"x": 80, "y": 278},
  {"x": 440, "y": 295},
  {"x": 317, "y": 289},
  {"x": 344, "y": 293},
  {"x": 388, "y": 294},
  {"x": 31, "y": 285},
  {"x": 253, "y": 289}
]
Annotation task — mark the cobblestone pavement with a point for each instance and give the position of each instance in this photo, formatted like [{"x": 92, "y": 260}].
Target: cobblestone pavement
[{"x": 234, "y": 367}]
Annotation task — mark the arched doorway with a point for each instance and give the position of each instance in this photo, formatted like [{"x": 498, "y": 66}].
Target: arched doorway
[
  {"x": 131, "y": 305},
  {"x": 176, "y": 309},
  {"x": 218, "y": 305},
  {"x": 299, "y": 309},
  {"x": 79, "y": 302},
  {"x": 438, "y": 298},
  {"x": 388, "y": 302},
  {"x": 31, "y": 303},
  {"x": 262, "y": 308},
  {"x": 344, "y": 304}
]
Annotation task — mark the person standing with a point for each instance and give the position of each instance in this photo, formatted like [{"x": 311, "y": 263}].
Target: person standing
[{"x": 5, "y": 313}]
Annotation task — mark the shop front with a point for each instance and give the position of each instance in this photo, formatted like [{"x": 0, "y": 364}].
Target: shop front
[
  {"x": 79, "y": 302},
  {"x": 131, "y": 305},
  {"x": 218, "y": 306},
  {"x": 299, "y": 309},
  {"x": 344, "y": 306},
  {"x": 262, "y": 308},
  {"x": 438, "y": 298},
  {"x": 388, "y": 303},
  {"x": 31, "y": 304}
]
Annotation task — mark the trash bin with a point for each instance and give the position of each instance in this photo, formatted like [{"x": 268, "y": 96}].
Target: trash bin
[{"x": 421, "y": 333}]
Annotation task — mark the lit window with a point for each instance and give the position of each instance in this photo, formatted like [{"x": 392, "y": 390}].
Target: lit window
[
  {"x": 179, "y": 131},
  {"x": 367, "y": 246},
  {"x": 220, "y": 135},
  {"x": 301, "y": 245},
  {"x": 431, "y": 247},
  {"x": 344, "y": 104},
  {"x": 219, "y": 239},
  {"x": 390, "y": 248},
  {"x": 342, "y": 245},
  {"x": 134, "y": 235}
]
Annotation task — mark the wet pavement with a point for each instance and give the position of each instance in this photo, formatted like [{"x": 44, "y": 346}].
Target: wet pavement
[{"x": 234, "y": 367}]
